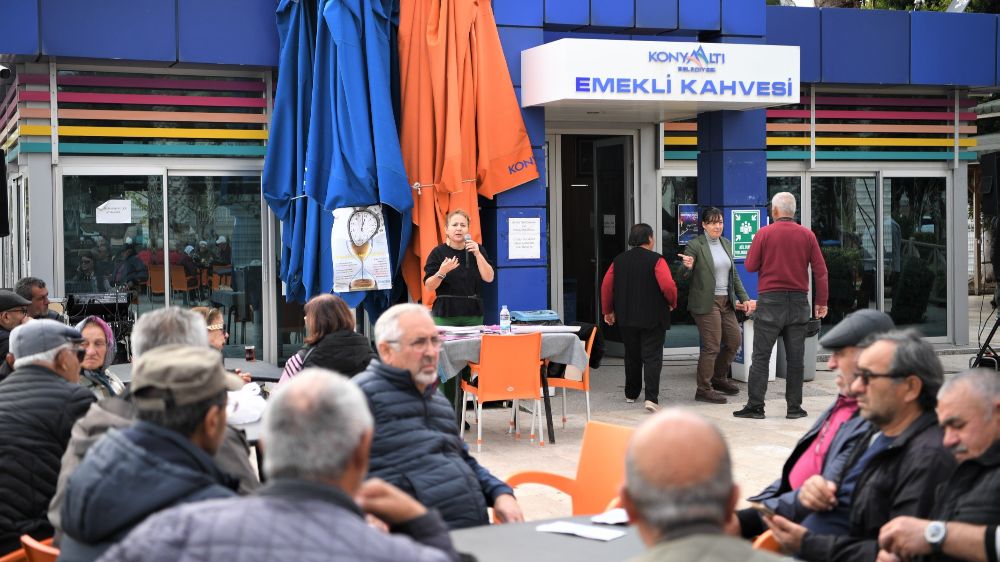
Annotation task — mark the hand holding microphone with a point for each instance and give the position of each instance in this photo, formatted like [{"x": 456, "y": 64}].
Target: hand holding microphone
[{"x": 470, "y": 246}]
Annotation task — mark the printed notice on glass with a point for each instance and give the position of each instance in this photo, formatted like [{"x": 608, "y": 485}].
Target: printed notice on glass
[
  {"x": 360, "y": 250},
  {"x": 524, "y": 240},
  {"x": 114, "y": 211}
]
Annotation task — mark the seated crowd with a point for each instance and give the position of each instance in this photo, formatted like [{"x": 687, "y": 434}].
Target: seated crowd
[{"x": 903, "y": 465}]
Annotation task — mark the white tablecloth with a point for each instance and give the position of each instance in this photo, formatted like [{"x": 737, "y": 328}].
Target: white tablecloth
[{"x": 567, "y": 349}]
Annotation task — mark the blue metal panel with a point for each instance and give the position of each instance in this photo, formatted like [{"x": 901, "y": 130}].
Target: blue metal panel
[
  {"x": 797, "y": 26},
  {"x": 700, "y": 15},
  {"x": 502, "y": 236},
  {"x": 865, "y": 46},
  {"x": 743, "y": 177},
  {"x": 551, "y": 36},
  {"x": 743, "y": 17},
  {"x": 612, "y": 14},
  {"x": 656, "y": 15},
  {"x": 110, "y": 29},
  {"x": 227, "y": 32},
  {"x": 732, "y": 130},
  {"x": 520, "y": 288},
  {"x": 534, "y": 121},
  {"x": 526, "y": 13},
  {"x": 19, "y": 27},
  {"x": 514, "y": 40},
  {"x": 531, "y": 194},
  {"x": 567, "y": 14},
  {"x": 958, "y": 49}
]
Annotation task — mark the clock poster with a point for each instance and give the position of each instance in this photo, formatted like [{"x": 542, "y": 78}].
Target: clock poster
[{"x": 360, "y": 250}]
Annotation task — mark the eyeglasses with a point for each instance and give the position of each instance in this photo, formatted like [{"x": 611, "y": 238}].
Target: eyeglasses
[
  {"x": 23, "y": 310},
  {"x": 421, "y": 344},
  {"x": 866, "y": 376},
  {"x": 79, "y": 351}
]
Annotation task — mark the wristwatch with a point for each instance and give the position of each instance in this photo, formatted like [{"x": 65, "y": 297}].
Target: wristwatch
[{"x": 934, "y": 534}]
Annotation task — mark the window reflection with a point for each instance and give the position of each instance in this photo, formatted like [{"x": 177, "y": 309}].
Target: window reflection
[{"x": 678, "y": 190}]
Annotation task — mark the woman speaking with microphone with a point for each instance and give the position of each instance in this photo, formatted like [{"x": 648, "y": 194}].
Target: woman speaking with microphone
[
  {"x": 454, "y": 271},
  {"x": 715, "y": 294}
]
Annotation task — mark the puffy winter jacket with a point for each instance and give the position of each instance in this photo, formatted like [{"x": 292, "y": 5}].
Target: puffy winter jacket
[
  {"x": 287, "y": 520},
  {"x": 899, "y": 480},
  {"x": 128, "y": 476},
  {"x": 416, "y": 447},
  {"x": 344, "y": 351},
  {"x": 37, "y": 411}
]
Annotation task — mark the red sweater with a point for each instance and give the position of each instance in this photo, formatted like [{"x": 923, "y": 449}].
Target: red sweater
[{"x": 780, "y": 253}]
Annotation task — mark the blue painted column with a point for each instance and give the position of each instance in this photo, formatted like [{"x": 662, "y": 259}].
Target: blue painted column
[
  {"x": 732, "y": 145},
  {"x": 521, "y": 284}
]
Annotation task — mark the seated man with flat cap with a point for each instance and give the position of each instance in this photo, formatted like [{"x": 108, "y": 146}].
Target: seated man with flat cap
[
  {"x": 824, "y": 449},
  {"x": 13, "y": 313},
  {"x": 163, "y": 460}
]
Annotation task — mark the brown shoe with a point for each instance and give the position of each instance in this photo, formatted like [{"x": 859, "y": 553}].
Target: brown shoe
[
  {"x": 725, "y": 387},
  {"x": 710, "y": 396}
]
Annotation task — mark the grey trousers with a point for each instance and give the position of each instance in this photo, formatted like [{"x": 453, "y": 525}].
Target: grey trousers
[{"x": 785, "y": 314}]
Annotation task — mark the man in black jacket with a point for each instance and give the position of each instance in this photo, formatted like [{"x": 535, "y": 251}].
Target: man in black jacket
[
  {"x": 39, "y": 402},
  {"x": 969, "y": 411},
  {"x": 13, "y": 313},
  {"x": 416, "y": 446},
  {"x": 162, "y": 460},
  {"x": 896, "y": 466},
  {"x": 638, "y": 293}
]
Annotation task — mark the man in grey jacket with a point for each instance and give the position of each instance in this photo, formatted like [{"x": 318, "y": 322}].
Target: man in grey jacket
[{"x": 318, "y": 430}]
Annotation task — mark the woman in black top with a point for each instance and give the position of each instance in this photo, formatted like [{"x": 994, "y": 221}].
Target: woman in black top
[{"x": 455, "y": 276}]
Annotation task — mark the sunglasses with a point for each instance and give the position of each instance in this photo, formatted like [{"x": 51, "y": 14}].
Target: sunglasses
[
  {"x": 866, "y": 376},
  {"x": 79, "y": 351}
]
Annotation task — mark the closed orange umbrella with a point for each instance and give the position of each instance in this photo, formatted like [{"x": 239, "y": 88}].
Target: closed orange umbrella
[{"x": 461, "y": 131}]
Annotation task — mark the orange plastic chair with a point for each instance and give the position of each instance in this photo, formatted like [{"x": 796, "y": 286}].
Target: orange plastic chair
[
  {"x": 157, "y": 285},
  {"x": 766, "y": 541},
  {"x": 508, "y": 369},
  {"x": 583, "y": 384},
  {"x": 181, "y": 282},
  {"x": 15, "y": 556},
  {"x": 600, "y": 472},
  {"x": 36, "y": 551}
]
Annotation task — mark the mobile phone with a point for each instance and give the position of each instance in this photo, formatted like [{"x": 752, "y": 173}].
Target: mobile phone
[{"x": 762, "y": 509}]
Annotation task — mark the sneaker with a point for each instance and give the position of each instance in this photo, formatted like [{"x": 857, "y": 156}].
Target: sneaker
[
  {"x": 652, "y": 407},
  {"x": 796, "y": 413},
  {"x": 748, "y": 411},
  {"x": 710, "y": 396},
  {"x": 630, "y": 400},
  {"x": 726, "y": 387}
]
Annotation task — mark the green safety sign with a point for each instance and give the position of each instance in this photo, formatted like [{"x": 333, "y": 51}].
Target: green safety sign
[{"x": 745, "y": 227}]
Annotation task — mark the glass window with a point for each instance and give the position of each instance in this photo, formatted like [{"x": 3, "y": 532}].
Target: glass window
[
  {"x": 214, "y": 252},
  {"x": 916, "y": 253},
  {"x": 791, "y": 184},
  {"x": 109, "y": 224},
  {"x": 844, "y": 219},
  {"x": 678, "y": 190}
]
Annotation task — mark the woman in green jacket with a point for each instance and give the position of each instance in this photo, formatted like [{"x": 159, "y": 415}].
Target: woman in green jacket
[{"x": 716, "y": 292}]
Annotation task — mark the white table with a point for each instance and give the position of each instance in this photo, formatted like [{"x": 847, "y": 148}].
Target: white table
[{"x": 259, "y": 370}]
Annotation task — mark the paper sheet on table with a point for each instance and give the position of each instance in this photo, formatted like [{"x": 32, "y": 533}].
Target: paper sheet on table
[
  {"x": 460, "y": 330},
  {"x": 585, "y": 531},
  {"x": 616, "y": 516},
  {"x": 530, "y": 328}
]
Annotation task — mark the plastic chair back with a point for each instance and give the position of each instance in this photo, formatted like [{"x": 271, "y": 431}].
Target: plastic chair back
[
  {"x": 509, "y": 367},
  {"x": 179, "y": 280},
  {"x": 766, "y": 541},
  {"x": 601, "y": 470},
  {"x": 157, "y": 286},
  {"x": 36, "y": 551},
  {"x": 15, "y": 556},
  {"x": 584, "y": 383}
]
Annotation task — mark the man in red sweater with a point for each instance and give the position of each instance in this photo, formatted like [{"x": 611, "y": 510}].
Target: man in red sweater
[{"x": 781, "y": 254}]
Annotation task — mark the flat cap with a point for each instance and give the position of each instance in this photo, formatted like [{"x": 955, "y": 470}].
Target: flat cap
[
  {"x": 10, "y": 299},
  {"x": 178, "y": 375},
  {"x": 855, "y": 327},
  {"x": 39, "y": 336}
]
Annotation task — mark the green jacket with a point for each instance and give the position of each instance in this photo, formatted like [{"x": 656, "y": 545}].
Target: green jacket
[{"x": 702, "y": 292}]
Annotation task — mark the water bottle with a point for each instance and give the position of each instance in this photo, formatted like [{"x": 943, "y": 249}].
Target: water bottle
[{"x": 504, "y": 320}]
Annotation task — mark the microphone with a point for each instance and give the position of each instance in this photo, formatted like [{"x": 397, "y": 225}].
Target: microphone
[{"x": 467, "y": 238}]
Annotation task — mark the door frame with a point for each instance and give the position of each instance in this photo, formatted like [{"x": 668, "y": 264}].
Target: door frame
[{"x": 553, "y": 141}]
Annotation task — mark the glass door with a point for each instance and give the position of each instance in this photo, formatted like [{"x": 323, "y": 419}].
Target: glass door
[
  {"x": 612, "y": 172},
  {"x": 844, "y": 217}
]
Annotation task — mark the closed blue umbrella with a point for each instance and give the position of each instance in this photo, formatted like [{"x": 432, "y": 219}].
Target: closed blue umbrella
[
  {"x": 353, "y": 156},
  {"x": 284, "y": 163}
]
